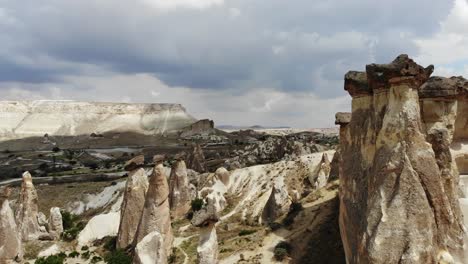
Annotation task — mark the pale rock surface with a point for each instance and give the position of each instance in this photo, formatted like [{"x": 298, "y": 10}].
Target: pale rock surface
[
  {"x": 389, "y": 169},
  {"x": 52, "y": 250},
  {"x": 150, "y": 250},
  {"x": 70, "y": 118},
  {"x": 278, "y": 203},
  {"x": 55, "y": 223},
  {"x": 42, "y": 219},
  {"x": 179, "y": 190},
  {"x": 10, "y": 239},
  {"x": 99, "y": 227},
  {"x": 132, "y": 206},
  {"x": 156, "y": 212},
  {"x": 323, "y": 173},
  {"x": 206, "y": 218},
  {"x": 223, "y": 175},
  {"x": 27, "y": 211}
]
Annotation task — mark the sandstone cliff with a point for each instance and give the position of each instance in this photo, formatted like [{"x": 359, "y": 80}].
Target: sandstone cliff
[
  {"x": 398, "y": 184},
  {"x": 70, "y": 118}
]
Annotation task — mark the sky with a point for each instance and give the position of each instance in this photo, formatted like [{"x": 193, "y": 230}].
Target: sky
[{"x": 238, "y": 62}]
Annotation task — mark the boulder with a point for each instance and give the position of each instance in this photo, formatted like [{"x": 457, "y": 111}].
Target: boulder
[
  {"x": 150, "y": 250},
  {"x": 132, "y": 206},
  {"x": 55, "y": 224},
  {"x": 179, "y": 190},
  {"x": 27, "y": 212},
  {"x": 10, "y": 239},
  {"x": 156, "y": 212},
  {"x": 223, "y": 175},
  {"x": 395, "y": 206}
]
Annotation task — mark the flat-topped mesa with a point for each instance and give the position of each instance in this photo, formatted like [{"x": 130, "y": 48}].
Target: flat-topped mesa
[
  {"x": 156, "y": 212},
  {"x": 395, "y": 161},
  {"x": 10, "y": 239},
  {"x": 27, "y": 211},
  {"x": 133, "y": 201}
]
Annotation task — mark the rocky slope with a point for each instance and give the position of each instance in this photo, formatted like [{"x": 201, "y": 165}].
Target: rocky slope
[
  {"x": 70, "y": 118},
  {"x": 398, "y": 181}
]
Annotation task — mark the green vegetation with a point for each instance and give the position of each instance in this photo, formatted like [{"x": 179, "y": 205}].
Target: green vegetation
[
  {"x": 96, "y": 259},
  {"x": 85, "y": 255},
  {"x": 118, "y": 257},
  {"x": 71, "y": 226},
  {"x": 197, "y": 204},
  {"x": 54, "y": 259},
  {"x": 246, "y": 232},
  {"x": 74, "y": 254},
  {"x": 282, "y": 250}
]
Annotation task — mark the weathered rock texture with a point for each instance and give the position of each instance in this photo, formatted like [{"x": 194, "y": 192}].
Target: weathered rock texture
[
  {"x": 196, "y": 159},
  {"x": 179, "y": 190},
  {"x": 150, "y": 250},
  {"x": 156, "y": 212},
  {"x": 206, "y": 219},
  {"x": 399, "y": 200},
  {"x": 133, "y": 202},
  {"x": 323, "y": 172},
  {"x": 278, "y": 203},
  {"x": 10, "y": 238},
  {"x": 69, "y": 118},
  {"x": 223, "y": 175},
  {"x": 27, "y": 211},
  {"x": 55, "y": 225}
]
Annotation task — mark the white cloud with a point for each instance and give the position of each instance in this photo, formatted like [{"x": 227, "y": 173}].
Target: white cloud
[
  {"x": 173, "y": 4},
  {"x": 449, "y": 44},
  {"x": 264, "y": 106}
]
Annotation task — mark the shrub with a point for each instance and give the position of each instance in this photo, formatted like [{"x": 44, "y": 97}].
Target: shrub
[
  {"x": 85, "y": 255},
  {"x": 68, "y": 219},
  {"x": 197, "y": 204},
  {"x": 282, "y": 249},
  {"x": 96, "y": 259},
  {"x": 110, "y": 244},
  {"x": 246, "y": 232},
  {"x": 74, "y": 254},
  {"x": 280, "y": 253},
  {"x": 71, "y": 228},
  {"x": 118, "y": 257},
  {"x": 56, "y": 149},
  {"x": 54, "y": 259},
  {"x": 84, "y": 248}
]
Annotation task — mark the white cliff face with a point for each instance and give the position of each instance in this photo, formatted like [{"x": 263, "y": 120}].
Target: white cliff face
[
  {"x": 70, "y": 118},
  {"x": 207, "y": 249},
  {"x": 27, "y": 212},
  {"x": 150, "y": 250},
  {"x": 10, "y": 239},
  {"x": 98, "y": 227}
]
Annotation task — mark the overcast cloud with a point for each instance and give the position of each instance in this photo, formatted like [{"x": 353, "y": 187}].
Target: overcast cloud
[{"x": 244, "y": 62}]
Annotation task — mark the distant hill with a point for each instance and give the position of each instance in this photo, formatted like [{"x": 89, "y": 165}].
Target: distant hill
[{"x": 255, "y": 127}]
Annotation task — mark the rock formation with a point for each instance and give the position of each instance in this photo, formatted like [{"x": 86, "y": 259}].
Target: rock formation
[
  {"x": 223, "y": 175},
  {"x": 150, "y": 250},
  {"x": 10, "y": 238},
  {"x": 156, "y": 212},
  {"x": 69, "y": 118},
  {"x": 278, "y": 203},
  {"x": 398, "y": 189},
  {"x": 206, "y": 218},
  {"x": 133, "y": 201},
  {"x": 55, "y": 225},
  {"x": 179, "y": 189},
  {"x": 323, "y": 172},
  {"x": 196, "y": 159},
  {"x": 27, "y": 211}
]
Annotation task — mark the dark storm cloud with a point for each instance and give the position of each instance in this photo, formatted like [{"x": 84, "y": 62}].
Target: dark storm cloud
[{"x": 297, "y": 45}]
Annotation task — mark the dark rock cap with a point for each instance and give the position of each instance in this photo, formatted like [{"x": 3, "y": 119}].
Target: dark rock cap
[
  {"x": 135, "y": 163},
  {"x": 401, "y": 70},
  {"x": 441, "y": 87},
  {"x": 356, "y": 83},
  {"x": 158, "y": 158},
  {"x": 342, "y": 118}
]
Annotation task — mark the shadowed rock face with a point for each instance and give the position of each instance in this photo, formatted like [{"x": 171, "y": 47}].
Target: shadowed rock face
[
  {"x": 156, "y": 214},
  {"x": 10, "y": 238},
  {"x": 398, "y": 185},
  {"x": 132, "y": 204},
  {"x": 27, "y": 212},
  {"x": 196, "y": 159},
  {"x": 179, "y": 191}
]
